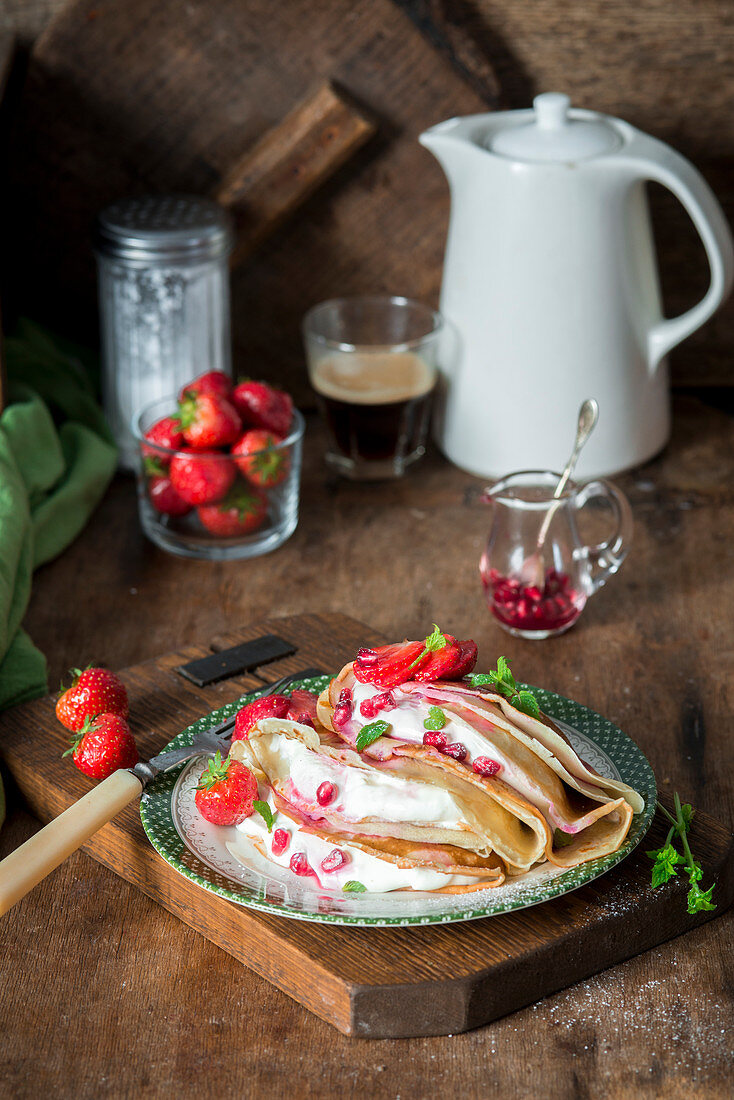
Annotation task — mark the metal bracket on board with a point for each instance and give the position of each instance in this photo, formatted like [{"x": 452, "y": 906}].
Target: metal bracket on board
[{"x": 233, "y": 662}]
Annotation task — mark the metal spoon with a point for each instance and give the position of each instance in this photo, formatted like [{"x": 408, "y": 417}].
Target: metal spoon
[{"x": 533, "y": 568}]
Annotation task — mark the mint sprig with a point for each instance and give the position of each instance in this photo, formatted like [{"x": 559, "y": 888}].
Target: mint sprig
[
  {"x": 265, "y": 813},
  {"x": 667, "y": 858},
  {"x": 504, "y": 683},
  {"x": 435, "y": 641},
  {"x": 371, "y": 733},
  {"x": 436, "y": 719}
]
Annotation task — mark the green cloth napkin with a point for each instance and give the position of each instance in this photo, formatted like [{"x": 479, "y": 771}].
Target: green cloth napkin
[{"x": 57, "y": 457}]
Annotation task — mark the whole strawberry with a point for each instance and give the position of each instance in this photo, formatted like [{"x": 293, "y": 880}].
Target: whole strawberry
[
  {"x": 208, "y": 421},
  {"x": 201, "y": 478},
  {"x": 226, "y": 792},
  {"x": 164, "y": 433},
  {"x": 93, "y": 691},
  {"x": 270, "y": 706},
  {"x": 164, "y": 497},
  {"x": 241, "y": 511},
  {"x": 214, "y": 381},
  {"x": 103, "y": 745},
  {"x": 259, "y": 459},
  {"x": 263, "y": 407}
]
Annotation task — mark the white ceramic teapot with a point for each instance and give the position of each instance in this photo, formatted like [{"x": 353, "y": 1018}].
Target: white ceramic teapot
[{"x": 550, "y": 285}]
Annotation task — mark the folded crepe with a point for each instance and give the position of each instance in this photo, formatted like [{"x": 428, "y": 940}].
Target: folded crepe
[
  {"x": 412, "y": 821},
  {"x": 539, "y": 776}
]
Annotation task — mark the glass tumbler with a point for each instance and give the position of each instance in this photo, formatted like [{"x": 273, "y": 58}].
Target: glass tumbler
[
  {"x": 373, "y": 364},
  {"x": 536, "y": 570}
]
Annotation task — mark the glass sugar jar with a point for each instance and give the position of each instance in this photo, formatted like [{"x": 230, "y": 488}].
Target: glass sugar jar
[{"x": 164, "y": 301}]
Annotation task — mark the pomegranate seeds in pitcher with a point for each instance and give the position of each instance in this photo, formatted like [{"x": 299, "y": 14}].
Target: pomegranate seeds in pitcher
[{"x": 527, "y": 607}]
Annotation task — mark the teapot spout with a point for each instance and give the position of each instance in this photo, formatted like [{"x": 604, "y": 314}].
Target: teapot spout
[{"x": 455, "y": 141}]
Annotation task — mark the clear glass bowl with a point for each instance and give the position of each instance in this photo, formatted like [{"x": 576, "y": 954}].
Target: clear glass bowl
[{"x": 240, "y": 518}]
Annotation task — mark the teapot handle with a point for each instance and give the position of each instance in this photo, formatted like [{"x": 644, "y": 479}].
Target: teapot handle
[
  {"x": 653, "y": 160},
  {"x": 605, "y": 558}
]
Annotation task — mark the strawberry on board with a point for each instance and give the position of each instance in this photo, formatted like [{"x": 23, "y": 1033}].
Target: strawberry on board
[
  {"x": 214, "y": 381},
  {"x": 161, "y": 492},
  {"x": 259, "y": 459},
  {"x": 263, "y": 407},
  {"x": 93, "y": 691},
  {"x": 208, "y": 421},
  {"x": 270, "y": 706},
  {"x": 241, "y": 511},
  {"x": 164, "y": 433},
  {"x": 201, "y": 478},
  {"x": 226, "y": 792},
  {"x": 102, "y": 745}
]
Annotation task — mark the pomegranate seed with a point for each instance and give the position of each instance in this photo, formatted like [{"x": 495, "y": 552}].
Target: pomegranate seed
[
  {"x": 436, "y": 739},
  {"x": 484, "y": 766},
  {"x": 370, "y": 708},
  {"x": 326, "y": 793},
  {"x": 456, "y": 750},
  {"x": 305, "y": 720},
  {"x": 343, "y": 708},
  {"x": 299, "y": 864},
  {"x": 335, "y": 859},
  {"x": 281, "y": 840}
]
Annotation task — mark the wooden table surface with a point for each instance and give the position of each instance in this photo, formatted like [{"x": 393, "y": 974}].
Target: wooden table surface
[{"x": 105, "y": 994}]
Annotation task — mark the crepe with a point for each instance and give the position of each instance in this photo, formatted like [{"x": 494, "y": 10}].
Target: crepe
[{"x": 586, "y": 815}]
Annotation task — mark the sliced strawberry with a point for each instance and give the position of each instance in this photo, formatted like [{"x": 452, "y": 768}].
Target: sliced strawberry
[
  {"x": 440, "y": 663},
  {"x": 270, "y": 706},
  {"x": 390, "y": 665}
]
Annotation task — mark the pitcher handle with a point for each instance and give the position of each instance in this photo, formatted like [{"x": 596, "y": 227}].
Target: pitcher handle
[
  {"x": 653, "y": 160},
  {"x": 605, "y": 558}
]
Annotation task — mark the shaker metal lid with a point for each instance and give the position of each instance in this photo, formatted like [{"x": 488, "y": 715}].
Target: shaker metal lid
[
  {"x": 164, "y": 228},
  {"x": 554, "y": 133}
]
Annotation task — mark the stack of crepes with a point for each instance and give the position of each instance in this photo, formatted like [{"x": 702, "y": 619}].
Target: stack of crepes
[{"x": 403, "y": 814}]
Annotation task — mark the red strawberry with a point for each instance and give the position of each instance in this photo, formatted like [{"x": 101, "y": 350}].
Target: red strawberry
[
  {"x": 270, "y": 706},
  {"x": 208, "y": 421},
  {"x": 102, "y": 745},
  {"x": 449, "y": 662},
  {"x": 241, "y": 511},
  {"x": 201, "y": 478},
  {"x": 165, "y": 499},
  {"x": 302, "y": 707},
  {"x": 214, "y": 381},
  {"x": 93, "y": 691},
  {"x": 263, "y": 407},
  {"x": 390, "y": 665},
  {"x": 226, "y": 791},
  {"x": 261, "y": 462},
  {"x": 165, "y": 433}
]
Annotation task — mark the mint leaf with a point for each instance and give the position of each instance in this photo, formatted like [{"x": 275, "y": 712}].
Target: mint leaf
[
  {"x": 666, "y": 859},
  {"x": 436, "y": 640},
  {"x": 699, "y": 899},
  {"x": 561, "y": 839},
  {"x": 265, "y": 813},
  {"x": 527, "y": 703},
  {"x": 694, "y": 872},
  {"x": 480, "y": 679},
  {"x": 503, "y": 672},
  {"x": 354, "y": 887},
  {"x": 436, "y": 719},
  {"x": 371, "y": 733},
  {"x": 686, "y": 813}
]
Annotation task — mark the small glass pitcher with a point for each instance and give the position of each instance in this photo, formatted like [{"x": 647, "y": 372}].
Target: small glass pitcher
[{"x": 537, "y": 573}]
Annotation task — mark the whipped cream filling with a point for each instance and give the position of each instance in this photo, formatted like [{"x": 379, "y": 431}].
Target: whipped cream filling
[
  {"x": 361, "y": 794},
  {"x": 375, "y": 874}
]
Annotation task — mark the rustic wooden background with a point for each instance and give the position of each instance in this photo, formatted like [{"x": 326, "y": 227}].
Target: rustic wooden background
[{"x": 666, "y": 67}]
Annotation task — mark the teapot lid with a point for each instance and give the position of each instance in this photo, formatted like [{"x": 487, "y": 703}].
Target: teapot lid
[{"x": 552, "y": 135}]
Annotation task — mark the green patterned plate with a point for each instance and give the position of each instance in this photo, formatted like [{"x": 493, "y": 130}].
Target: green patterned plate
[{"x": 199, "y": 850}]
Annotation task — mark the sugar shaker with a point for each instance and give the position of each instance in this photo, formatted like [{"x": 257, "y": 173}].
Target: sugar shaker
[{"x": 164, "y": 301}]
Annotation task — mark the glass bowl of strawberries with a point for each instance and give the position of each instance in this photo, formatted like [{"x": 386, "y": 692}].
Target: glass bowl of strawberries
[{"x": 219, "y": 468}]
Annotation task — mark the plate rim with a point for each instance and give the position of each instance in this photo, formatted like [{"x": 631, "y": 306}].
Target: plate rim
[{"x": 159, "y": 795}]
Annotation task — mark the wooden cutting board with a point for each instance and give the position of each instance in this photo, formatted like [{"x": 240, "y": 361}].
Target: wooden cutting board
[{"x": 381, "y": 982}]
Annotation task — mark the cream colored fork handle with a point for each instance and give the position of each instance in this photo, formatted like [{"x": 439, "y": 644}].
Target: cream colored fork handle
[{"x": 26, "y": 866}]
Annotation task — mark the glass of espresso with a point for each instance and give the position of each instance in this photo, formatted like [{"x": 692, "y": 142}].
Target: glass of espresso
[{"x": 373, "y": 364}]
